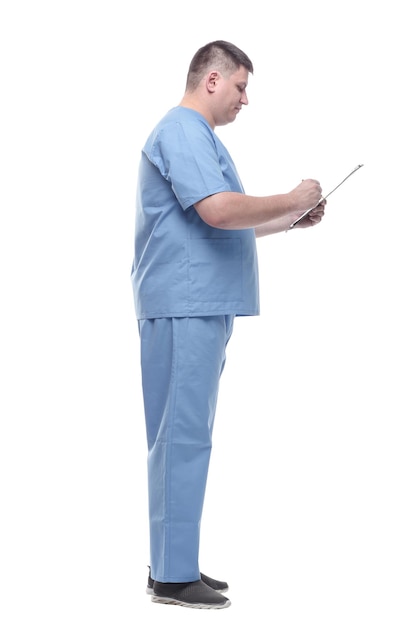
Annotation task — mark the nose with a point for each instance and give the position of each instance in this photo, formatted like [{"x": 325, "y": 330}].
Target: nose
[{"x": 244, "y": 98}]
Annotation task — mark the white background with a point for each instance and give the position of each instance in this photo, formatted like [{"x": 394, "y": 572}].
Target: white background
[{"x": 310, "y": 512}]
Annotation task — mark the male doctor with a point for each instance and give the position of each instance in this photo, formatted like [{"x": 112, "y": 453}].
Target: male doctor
[{"x": 194, "y": 271}]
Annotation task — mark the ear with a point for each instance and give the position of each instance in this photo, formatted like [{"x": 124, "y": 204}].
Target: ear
[{"x": 212, "y": 80}]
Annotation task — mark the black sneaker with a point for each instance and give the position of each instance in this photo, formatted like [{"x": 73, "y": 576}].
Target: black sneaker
[
  {"x": 195, "y": 595},
  {"x": 217, "y": 585}
]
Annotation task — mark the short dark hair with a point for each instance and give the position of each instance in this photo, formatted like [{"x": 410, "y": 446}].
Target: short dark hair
[{"x": 220, "y": 55}]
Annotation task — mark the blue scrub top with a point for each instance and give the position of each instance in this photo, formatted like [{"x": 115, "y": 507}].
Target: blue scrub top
[{"x": 183, "y": 267}]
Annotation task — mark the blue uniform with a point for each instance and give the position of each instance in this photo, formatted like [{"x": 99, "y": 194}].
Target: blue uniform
[{"x": 189, "y": 282}]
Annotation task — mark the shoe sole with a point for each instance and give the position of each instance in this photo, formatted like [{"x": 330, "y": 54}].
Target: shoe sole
[{"x": 163, "y": 600}]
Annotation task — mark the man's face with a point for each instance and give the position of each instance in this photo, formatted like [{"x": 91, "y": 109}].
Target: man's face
[{"x": 230, "y": 96}]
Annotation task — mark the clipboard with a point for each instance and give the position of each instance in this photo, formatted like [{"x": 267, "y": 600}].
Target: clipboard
[{"x": 323, "y": 198}]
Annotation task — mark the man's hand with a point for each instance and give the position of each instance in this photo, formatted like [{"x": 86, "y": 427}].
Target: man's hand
[
  {"x": 314, "y": 217},
  {"x": 306, "y": 195}
]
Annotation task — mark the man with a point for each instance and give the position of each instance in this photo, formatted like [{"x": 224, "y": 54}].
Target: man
[{"x": 194, "y": 270}]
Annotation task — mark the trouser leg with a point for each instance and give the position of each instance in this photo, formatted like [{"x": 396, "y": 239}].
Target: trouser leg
[{"x": 182, "y": 360}]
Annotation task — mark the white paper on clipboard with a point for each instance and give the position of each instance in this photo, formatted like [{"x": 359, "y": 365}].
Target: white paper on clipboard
[{"x": 323, "y": 198}]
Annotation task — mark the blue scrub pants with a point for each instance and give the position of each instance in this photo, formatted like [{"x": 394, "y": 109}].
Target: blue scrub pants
[{"x": 182, "y": 360}]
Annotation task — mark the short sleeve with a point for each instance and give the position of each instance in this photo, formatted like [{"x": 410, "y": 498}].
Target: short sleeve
[{"x": 187, "y": 157}]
